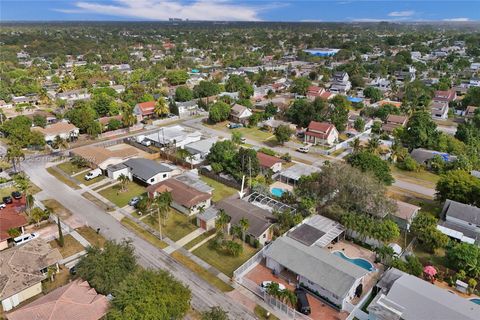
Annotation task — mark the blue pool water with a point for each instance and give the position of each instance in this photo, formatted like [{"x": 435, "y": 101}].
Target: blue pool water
[
  {"x": 362, "y": 263},
  {"x": 277, "y": 192},
  {"x": 475, "y": 300}
]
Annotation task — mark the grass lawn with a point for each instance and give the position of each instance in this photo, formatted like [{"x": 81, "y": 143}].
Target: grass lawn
[
  {"x": 69, "y": 168},
  {"x": 121, "y": 198},
  {"x": 90, "y": 197},
  {"x": 71, "y": 246},
  {"x": 142, "y": 233},
  {"x": 57, "y": 208},
  {"x": 62, "y": 178},
  {"x": 427, "y": 205},
  {"x": 201, "y": 272},
  {"x": 81, "y": 178},
  {"x": 92, "y": 236},
  {"x": 224, "y": 262},
  {"x": 7, "y": 191},
  {"x": 60, "y": 279},
  {"x": 337, "y": 152},
  {"x": 34, "y": 188},
  {"x": 220, "y": 191},
  {"x": 178, "y": 225},
  {"x": 199, "y": 239},
  {"x": 423, "y": 177},
  {"x": 254, "y": 134},
  {"x": 261, "y": 313},
  {"x": 428, "y": 258}
]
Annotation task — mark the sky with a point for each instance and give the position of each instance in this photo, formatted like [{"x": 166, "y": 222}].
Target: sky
[{"x": 250, "y": 10}]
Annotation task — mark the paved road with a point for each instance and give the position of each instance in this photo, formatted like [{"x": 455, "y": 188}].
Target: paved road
[
  {"x": 203, "y": 294},
  {"x": 415, "y": 188}
]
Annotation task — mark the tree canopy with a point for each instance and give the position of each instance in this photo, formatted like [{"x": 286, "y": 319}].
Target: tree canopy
[
  {"x": 369, "y": 162},
  {"x": 459, "y": 185}
]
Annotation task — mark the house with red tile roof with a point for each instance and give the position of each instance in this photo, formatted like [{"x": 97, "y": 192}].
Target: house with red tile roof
[
  {"x": 10, "y": 219},
  {"x": 321, "y": 133},
  {"x": 144, "y": 109},
  {"x": 269, "y": 162},
  {"x": 76, "y": 300},
  {"x": 445, "y": 96}
]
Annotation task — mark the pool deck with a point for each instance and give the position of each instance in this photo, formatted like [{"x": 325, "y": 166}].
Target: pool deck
[{"x": 281, "y": 185}]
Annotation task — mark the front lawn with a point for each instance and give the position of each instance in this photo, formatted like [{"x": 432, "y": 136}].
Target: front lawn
[
  {"x": 81, "y": 178},
  {"x": 222, "y": 261},
  {"x": 53, "y": 171},
  {"x": 142, "y": 233},
  {"x": 7, "y": 191},
  {"x": 70, "y": 246},
  {"x": 121, "y": 198},
  {"x": 69, "y": 168},
  {"x": 199, "y": 239},
  {"x": 422, "y": 177},
  {"x": 254, "y": 133},
  {"x": 57, "y": 208},
  {"x": 220, "y": 191},
  {"x": 92, "y": 236},
  {"x": 177, "y": 226}
]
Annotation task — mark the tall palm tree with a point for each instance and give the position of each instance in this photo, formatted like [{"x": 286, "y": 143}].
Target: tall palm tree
[
  {"x": 222, "y": 220},
  {"x": 14, "y": 155},
  {"x": 244, "y": 224},
  {"x": 23, "y": 184},
  {"x": 373, "y": 145},
  {"x": 161, "y": 107},
  {"x": 123, "y": 181},
  {"x": 128, "y": 118},
  {"x": 355, "y": 145},
  {"x": 162, "y": 209},
  {"x": 60, "y": 143}
]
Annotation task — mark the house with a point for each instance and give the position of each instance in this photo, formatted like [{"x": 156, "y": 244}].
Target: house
[
  {"x": 22, "y": 270},
  {"x": 144, "y": 109},
  {"x": 314, "y": 92},
  {"x": 76, "y": 300},
  {"x": 407, "y": 297},
  {"x": 185, "y": 198},
  {"x": 187, "y": 107},
  {"x": 73, "y": 95},
  {"x": 176, "y": 136},
  {"x": 406, "y": 75},
  {"x": 393, "y": 122},
  {"x": 321, "y": 133},
  {"x": 206, "y": 219},
  {"x": 293, "y": 174},
  {"x": 260, "y": 226},
  {"x": 62, "y": 129},
  {"x": 445, "y": 96},
  {"x": 98, "y": 157},
  {"x": 405, "y": 214},
  {"x": 461, "y": 221},
  {"x": 268, "y": 162},
  {"x": 104, "y": 121},
  {"x": 148, "y": 171},
  {"x": 199, "y": 150},
  {"x": 27, "y": 99},
  {"x": 240, "y": 114},
  {"x": 271, "y": 124},
  {"x": 423, "y": 156},
  {"x": 470, "y": 113},
  {"x": 10, "y": 219},
  {"x": 330, "y": 276},
  {"x": 340, "y": 83},
  {"x": 474, "y": 82},
  {"x": 439, "y": 110},
  {"x": 381, "y": 83}
]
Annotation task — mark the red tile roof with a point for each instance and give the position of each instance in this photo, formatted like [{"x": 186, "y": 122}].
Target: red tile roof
[
  {"x": 146, "y": 108},
  {"x": 266, "y": 160},
  {"x": 319, "y": 129},
  {"x": 76, "y": 300},
  {"x": 182, "y": 193},
  {"x": 10, "y": 218}
]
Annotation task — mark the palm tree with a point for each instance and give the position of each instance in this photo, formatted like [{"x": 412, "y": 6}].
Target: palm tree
[
  {"x": 273, "y": 289},
  {"x": 14, "y": 155},
  {"x": 123, "y": 181},
  {"x": 244, "y": 224},
  {"x": 128, "y": 118},
  {"x": 222, "y": 220},
  {"x": 22, "y": 183},
  {"x": 235, "y": 230},
  {"x": 162, "y": 208},
  {"x": 373, "y": 145},
  {"x": 355, "y": 145},
  {"x": 161, "y": 107},
  {"x": 60, "y": 143}
]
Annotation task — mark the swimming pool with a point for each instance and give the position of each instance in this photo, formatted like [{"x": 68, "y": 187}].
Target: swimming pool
[
  {"x": 475, "y": 300},
  {"x": 362, "y": 263},
  {"x": 277, "y": 192}
]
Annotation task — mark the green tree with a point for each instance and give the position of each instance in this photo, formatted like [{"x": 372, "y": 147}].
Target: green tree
[
  {"x": 162, "y": 203},
  {"x": 237, "y": 137},
  {"x": 124, "y": 180},
  {"x": 61, "y": 240},
  {"x": 424, "y": 227},
  {"x": 161, "y": 107},
  {"x": 106, "y": 268},
  {"x": 218, "y": 112},
  {"x": 222, "y": 221},
  {"x": 149, "y": 294},
  {"x": 300, "y": 85},
  {"x": 39, "y": 121},
  {"x": 244, "y": 224},
  {"x": 359, "y": 124},
  {"x": 464, "y": 256},
  {"x": 246, "y": 163},
  {"x": 128, "y": 118},
  {"x": 459, "y": 185},
  {"x": 82, "y": 116},
  {"x": 420, "y": 131},
  {"x": 283, "y": 133},
  {"x": 374, "y": 94},
  {"x": 114, "y": 124},
  {"x": 183, "y": 94},
  {"x": 215, "y": 313},
  {"x": 176, "y": 77},
  {"x": 38, "y": 215},
  {"x": 14, "y": 155},
  {"x": 369, "y": 162},
  {"x": 206, "y": 89}
]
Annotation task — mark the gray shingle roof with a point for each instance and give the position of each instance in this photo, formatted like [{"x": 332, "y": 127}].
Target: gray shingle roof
[
  {"x": 316, "y": 264},
  {"x": 144, "y": 169},
  {"x": 462, "y": 211}
]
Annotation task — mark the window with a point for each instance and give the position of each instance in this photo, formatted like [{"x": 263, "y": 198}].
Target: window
[
  {"x": 264, "y": 236},
  {"x": 152, "y": 180},
  {"x": 164, "y": 175}
]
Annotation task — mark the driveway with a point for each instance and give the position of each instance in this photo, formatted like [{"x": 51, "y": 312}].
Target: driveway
[{"x": 204, "y": 295}]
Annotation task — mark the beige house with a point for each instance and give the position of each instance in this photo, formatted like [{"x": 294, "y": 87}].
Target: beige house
[
  {"x": 321, "y": 133},
  {"x": 22, "y": 270},
  {"x": 99, "y": 157}
]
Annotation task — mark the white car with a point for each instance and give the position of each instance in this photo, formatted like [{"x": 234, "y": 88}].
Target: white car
[
  {"x": 264, "y": 285},
  {"x": 24, "y": 238},
  {"x": 304, "y": 149}
]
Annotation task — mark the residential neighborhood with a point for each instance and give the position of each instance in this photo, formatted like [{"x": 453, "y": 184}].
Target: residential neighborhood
[{"x": 190, "y": 169}]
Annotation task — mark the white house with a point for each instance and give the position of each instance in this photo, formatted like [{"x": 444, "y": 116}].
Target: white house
[
  {"x": 174, "y": 135},
  {"x": 62, "y": 129},
  {"x": 148, "y": 171},
  {"x": 321, "y": 133},
  {"x": 199, "y": 150},
  {"x": 461, "y": 221},
  {"x": 240, "y": 114}
]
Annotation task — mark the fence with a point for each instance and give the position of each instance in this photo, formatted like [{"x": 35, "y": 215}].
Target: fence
[
  {"x": 273, "y": 302},
  {"x": 118, "y": 132},
  {"x": 231, "y": 183},
  {"x": 346, "y": 143},
  {"x": 249, "y": 264}
]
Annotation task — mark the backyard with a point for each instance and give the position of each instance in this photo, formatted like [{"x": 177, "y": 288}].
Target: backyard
[
  {"x": 177, "y": 225},
  {"x": 220, "y": 191},
  {"x": 70, "y": 246},
  {"x": 253, "y": 133},
  {"x": 121, "y": 198},
  {"x": 224, "y": 262},
  {"x": 422, "y": 177}
]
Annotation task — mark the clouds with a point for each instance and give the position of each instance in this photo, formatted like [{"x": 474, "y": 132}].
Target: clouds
[
  {"x": 219, "y": 10},
  {"x": 403, "y": 14},
  {"x": 457, "y": 19}
]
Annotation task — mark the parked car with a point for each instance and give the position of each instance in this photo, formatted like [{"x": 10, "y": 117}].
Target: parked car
[
  {"x": 233, "y": 125},
  {"x": 243, "y": 140},
  {"x": 24, "y": 238},
  {"x": 134, "y": 201},
  {"x": 7, "y": 200},
  {"x": 73, "y": 270},
  {"x": 303, "y": 305},
  {"x": 146, "y": 143},
  {"x": 264, "y": 285},
  {"x": 304, "y": 149},
  {"x": 16, "y": 195},
  {"x": 93, "y": 174}
]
